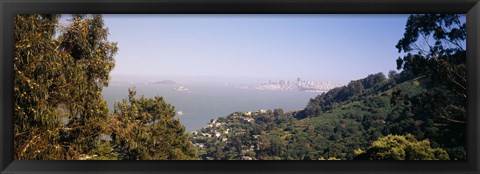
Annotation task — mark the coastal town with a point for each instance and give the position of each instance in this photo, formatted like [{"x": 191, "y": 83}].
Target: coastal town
[{"x": 226, "y": 130}]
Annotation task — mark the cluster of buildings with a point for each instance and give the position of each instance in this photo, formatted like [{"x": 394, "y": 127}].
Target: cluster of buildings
[
  {"x": 299, "y": 85},
  {"x": 220, "y": 129}
]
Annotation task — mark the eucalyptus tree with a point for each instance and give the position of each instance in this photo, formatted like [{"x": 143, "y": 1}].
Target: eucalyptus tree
[
  {"x": 37, "y": 87},
  {"x": 60, "y": 70}
]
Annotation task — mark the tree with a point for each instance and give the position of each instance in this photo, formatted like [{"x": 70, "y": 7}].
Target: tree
[
  {"x": 37, "y": 87},
  {"x": 278, "y": 112},
  {"x": 435, "y": 48},
  {"x": 434, "y": 45},
  {"x": 392, "y": 74},
  {"x": 397, "y": 147},
  {"x": 88, "y": 58},
  {"x": 59, "y": 107},
  {"x": 372, "y": 80},
  {"x": 145, "y": 129},
  {"x": 355, "y": 88}
]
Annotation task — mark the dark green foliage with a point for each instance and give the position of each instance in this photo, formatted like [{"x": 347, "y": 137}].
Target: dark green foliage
[
  {"x": 442, "y": 61},
  {"x": 329, "y": 99},
  {"x": 145, "y": 129},
  {"x": 442, "y": 66}
]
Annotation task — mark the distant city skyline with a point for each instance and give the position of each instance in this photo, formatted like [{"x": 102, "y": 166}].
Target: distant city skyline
[{"x": 336, "y": 48}]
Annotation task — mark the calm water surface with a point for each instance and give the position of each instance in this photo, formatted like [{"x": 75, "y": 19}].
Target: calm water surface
[{"x": 206, "y": 101}]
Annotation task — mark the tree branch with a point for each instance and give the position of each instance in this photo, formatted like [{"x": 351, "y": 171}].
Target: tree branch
[
  {"x": 452, "y": 120},
  {"x": 455, "y": 43}
]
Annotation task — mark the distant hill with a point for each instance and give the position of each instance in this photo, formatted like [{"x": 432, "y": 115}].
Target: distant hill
[{"x": 164, "y": 82}]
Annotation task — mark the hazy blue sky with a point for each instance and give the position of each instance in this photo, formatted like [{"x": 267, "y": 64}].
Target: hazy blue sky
[{"x": 313, "y": 47}]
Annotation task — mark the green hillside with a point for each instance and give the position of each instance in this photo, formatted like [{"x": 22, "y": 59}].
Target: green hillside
[{"x": 338, "y": 124}]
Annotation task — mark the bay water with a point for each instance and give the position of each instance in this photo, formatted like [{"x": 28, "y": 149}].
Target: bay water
[{"x": 203, "y": 102}]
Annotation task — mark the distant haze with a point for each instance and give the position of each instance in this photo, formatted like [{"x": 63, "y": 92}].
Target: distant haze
[{"x": 336, "y": 48}]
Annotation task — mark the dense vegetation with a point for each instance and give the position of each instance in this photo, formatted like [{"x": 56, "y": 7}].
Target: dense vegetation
[
  {"x": 60, "y": 70},
  {"x": 339, "y": 132},
  {"x": 146, "y": 130},
  {"x": 371, "y": 118},
  {"x": 418, "y": 113},
  {"x": 395, "y": 147}
]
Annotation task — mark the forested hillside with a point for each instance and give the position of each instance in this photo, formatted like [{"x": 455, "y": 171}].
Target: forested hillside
[
  {"x": 340, "y": 124},
  {"x": 416, "y": 114}
]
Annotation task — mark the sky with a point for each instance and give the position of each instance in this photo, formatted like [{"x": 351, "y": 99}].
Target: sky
[{"x": 316, "y": 47}]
